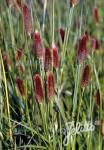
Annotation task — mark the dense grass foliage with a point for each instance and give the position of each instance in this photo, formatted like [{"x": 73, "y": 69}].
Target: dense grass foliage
[{"x": 51, "y": 74}]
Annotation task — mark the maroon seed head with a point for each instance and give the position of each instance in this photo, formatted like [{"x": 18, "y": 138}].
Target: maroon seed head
[
  {"x": 27, "y": 20},
  {"x": 82, "y": 52},
  {"x": 20, "y": 86},
  {"x": 96, "y": 14},
  {"x": 39, "y": 90},
  {"x": 50, "y": 85},
  {"x": 55, "y": 56},
  {"x": 62, "y": 33},
  {"x": 47, "y": 60},
  {"x": 95, "y": 43},
  {"x": 85, "y": 76},
  {"x": 38, "y": 45}
]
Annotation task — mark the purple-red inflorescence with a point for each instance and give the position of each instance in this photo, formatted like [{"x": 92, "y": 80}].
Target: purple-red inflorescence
[
  {"x": 38, "y": 45},
  {"x": 39, "y": 89},
  {"x": 20, "y": 86},
  {"x": 82, "y": 52},
  {"x": 85, "y": 76},
  {"x": 55, "y": 56},
  {"x": 50, "y": 85},
  {"x": 27, "y": 19},
  {"x": 47, "y": 59}
]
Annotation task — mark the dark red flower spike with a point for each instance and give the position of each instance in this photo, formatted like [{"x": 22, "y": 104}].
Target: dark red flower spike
[
  {"x": 55, "y": 56},
  {"x": 27, "y": 19},
  {"x": 96, "y": 14},
  {"x": 82, "y": 52},
  {"x": 62, "y": 33},
  {"x": 85, "y": 76},
  {"x": 39, "y": 90},
  {"x": 50, "y": 85},
  {"x": 20, "y": 86},
  {"x": 38, "y": 45},
  {"x": 47, "y": 59},
  {"x": 95, "y": 43}
]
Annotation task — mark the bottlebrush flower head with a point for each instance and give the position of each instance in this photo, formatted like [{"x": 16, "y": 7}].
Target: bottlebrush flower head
[
  {"x": 96, "y": 14},
  {"x": 47, "y": 59},
  {"x": 85, "y": 76},
  {"x": 38, "y": 45},
  {"x": 95, "y": 43},
  {"x": 39, "y": 90},
  {"x": 82, "y": 51},
  {"x": 55, "y": 56},
  {"x": 98, "y": 98},
  {"x": 50, "y": 85},
  {"x": 62, "y": 33},
  {"x": 20, "y": 86},
  {"x": 27, "y": 19}
]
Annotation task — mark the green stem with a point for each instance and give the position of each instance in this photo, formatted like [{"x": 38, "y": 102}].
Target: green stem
[
  {"x": 7, "y": 98},
  {"x": 77, "y": 77}
]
